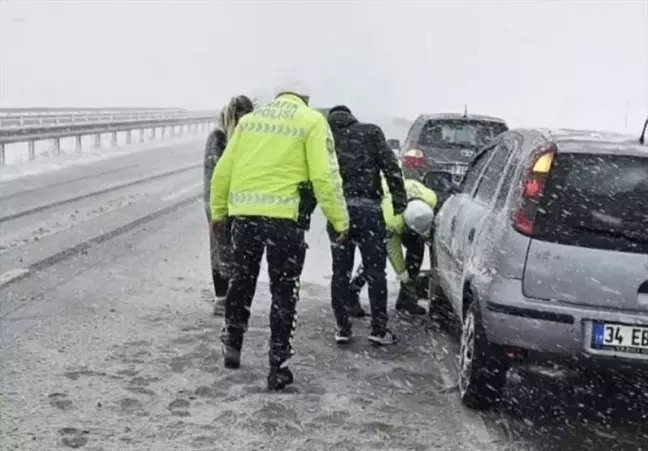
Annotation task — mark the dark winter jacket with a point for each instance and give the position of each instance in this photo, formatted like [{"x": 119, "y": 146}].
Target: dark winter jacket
[
  {"x": 363, "y": 153},
  {"x": 216, "y": 143},
  {"x": 220, "y": 246}
]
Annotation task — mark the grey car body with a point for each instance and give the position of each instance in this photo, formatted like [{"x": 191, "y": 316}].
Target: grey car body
[
  {"x": 550, "y": 293},
  {"x": 462, "y": 136}
]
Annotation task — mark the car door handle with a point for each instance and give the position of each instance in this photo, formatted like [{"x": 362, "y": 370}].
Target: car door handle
[
  {"x": 471, "y": 235},
  {"x": 453, "y": 223}
]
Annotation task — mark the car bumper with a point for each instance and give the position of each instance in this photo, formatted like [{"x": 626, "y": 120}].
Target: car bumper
[{"x": 550, "y": 329}]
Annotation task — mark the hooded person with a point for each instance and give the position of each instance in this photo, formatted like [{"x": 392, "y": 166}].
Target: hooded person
[
  {"x": 363, "y": 155},
  {"x": 219, "y": 246},
  {"x": 283, "y": 145}
]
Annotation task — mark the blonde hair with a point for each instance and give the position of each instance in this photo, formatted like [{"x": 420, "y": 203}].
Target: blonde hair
[{"x": 231, "y": 114}]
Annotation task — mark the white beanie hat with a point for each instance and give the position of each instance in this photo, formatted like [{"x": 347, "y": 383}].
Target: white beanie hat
[
  {"x": 419, "y": 217},
  {"x": 296, "y": 87}
]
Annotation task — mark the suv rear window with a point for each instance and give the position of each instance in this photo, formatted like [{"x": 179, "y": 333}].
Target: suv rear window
[
  {"x": 459, "y": 133},
  {"x": 596, "y": 201}
]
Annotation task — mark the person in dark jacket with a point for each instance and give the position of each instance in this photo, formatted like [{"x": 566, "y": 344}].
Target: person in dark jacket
[
  {"x": 219, "y": 246},
  {"x": 363, "y": 155}
]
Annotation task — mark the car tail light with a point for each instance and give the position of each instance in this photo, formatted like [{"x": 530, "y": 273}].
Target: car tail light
[
  {"x": 414, "y": 159},
  {"x": 533, "y": 185}
]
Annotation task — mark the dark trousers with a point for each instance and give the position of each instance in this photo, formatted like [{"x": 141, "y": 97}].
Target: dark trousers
[
  {"x": 414, "y": 254},
  {"x": 221, "y": 282},
  {"x": 220, "y": 250},
  {"x": 285, "y": 250},
  {"x": 367, "y": 232}
]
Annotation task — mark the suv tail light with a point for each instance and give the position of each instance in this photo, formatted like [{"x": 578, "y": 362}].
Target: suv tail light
[
  {"x": 533, "y": 185},
  {"x": 414, "y": 159}
]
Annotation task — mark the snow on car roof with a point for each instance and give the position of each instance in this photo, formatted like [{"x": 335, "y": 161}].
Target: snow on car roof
[{"x": 456, "y": 116}]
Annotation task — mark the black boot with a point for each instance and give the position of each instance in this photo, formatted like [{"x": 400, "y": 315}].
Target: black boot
[
  {"x": 406, "y": 303},
  {"x": 279, "y": 378},
  {"x": 231, "y": 350},
  {"x": 410, "y": 309}
]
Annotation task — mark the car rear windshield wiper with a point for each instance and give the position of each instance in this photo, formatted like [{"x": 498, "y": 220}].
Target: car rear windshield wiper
[{"x": 635, "y": 235}]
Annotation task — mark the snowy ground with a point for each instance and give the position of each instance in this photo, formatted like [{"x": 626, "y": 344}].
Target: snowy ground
[{"x": 107, "y": 342}]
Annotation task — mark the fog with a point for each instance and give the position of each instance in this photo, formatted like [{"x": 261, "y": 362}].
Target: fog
[{"x": 549, "y": 63}]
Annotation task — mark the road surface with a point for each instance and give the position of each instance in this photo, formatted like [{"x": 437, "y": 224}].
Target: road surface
[{"x": 107, "y": 342}]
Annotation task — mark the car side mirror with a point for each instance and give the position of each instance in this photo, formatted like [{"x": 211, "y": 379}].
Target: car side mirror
[
  {"x": 394, "y": 144},
  {"x": 440, "y": 182},
  {"x": 642, "y": 138}
]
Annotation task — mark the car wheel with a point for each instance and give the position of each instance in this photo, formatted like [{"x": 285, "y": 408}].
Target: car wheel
[{"x": 482, "y": 367}]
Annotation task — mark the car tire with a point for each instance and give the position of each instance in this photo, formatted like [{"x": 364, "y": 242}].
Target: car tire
[{"x": 482, "y": 366}]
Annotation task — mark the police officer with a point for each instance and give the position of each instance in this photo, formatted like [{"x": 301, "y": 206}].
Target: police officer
[
  {"x": 257, "y": 183},
  {"x": 412, "y": 229},
  {"x": 363, "y": 153}
]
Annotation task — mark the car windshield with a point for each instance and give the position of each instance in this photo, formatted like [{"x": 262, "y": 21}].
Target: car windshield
[{"x": 459, "y": 133}]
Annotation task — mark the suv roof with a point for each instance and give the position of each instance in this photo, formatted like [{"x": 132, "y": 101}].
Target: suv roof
[{"x": 456, "y": 116}]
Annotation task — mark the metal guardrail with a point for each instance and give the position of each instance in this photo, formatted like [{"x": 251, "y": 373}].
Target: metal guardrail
[
  {"x": 55, "y": 132},
  {"x": 36, "y": 111},
  {"x": 31, "y": 119}
]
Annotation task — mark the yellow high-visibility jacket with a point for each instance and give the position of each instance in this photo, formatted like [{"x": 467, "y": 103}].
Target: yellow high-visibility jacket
[{"x": 270, "y": 153}]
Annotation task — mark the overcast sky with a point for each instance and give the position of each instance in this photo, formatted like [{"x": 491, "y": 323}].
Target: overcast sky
[{"x": 551, "y": 63}]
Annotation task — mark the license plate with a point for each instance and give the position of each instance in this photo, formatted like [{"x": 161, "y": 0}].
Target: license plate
[
  {"x": 459, "y": 170},
  {"x": 454, "y": 169},
  {"x": 620, "y": 337}
]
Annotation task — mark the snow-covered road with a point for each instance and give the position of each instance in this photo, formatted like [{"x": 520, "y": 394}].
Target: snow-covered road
[{"x": 107, "y": 342}]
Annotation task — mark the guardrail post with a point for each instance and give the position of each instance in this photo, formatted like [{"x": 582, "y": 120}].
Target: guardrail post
[
  {"x": 172, "y": 131},
  {"x": 97, "y": 140},
  {"x": 31, "y": 149},
  {"x": 129, "y": 136},
  {"x": 57, "y": 146},
  {"x": 2, "y": 154},
  {"x": 154, "y": 132},
  {"x": 113, "y": 139},
  {"x": 142, "y": 134},
  {"x": 79, "y": 143}
]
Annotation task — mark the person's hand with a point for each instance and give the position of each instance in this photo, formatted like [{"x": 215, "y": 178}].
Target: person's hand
[
  {"x": 403, "y": 277},
  {"x": 342, "y": 237},
  {"x": 217, "y": 227}
]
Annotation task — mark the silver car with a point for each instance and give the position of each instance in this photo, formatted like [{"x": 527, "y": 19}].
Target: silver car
[{"x": 543, "y": 254}]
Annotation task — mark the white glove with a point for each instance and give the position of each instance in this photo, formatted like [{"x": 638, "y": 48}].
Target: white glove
[{"x": 403, "y": 277}]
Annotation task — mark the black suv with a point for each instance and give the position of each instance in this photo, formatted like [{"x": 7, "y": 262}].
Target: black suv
[{"x": 446, "y": 143}]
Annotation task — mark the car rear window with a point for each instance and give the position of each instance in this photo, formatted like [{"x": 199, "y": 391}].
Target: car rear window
[
  {"x": 459, "y": 133},
  {"x": 596, "y": 201}
]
